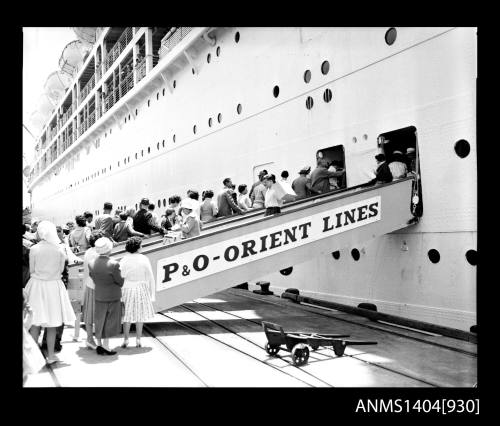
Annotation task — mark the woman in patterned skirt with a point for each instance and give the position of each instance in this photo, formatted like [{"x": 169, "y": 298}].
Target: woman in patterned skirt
[
  {"x": 138, "y": 290},
  {"x": 89, "y": 290},
  {"x": 45, "y": 290}
]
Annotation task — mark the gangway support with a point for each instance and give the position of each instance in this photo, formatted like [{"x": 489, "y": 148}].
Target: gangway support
[{"x": 241, "y": 252}]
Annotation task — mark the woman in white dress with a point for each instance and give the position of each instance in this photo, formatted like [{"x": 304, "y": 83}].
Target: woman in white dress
[
  {"x": 45, "y": 290},
  {"x": 89, "y": 290},
  {"x": 138, "y": 291}
]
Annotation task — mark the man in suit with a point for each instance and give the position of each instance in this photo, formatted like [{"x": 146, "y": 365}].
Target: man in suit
[
  {"x": 383, "y": 173},
  {"x": 225, "y": 201}
]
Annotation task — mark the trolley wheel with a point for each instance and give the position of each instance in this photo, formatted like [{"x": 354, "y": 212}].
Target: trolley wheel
[
  {"x": 300, "y": 354},
  {"x": 272, "y": 350},
  {"x": 339, "y": 348}
]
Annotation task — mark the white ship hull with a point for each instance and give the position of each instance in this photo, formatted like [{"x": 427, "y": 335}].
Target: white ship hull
[{"x": 426, "y": 79}]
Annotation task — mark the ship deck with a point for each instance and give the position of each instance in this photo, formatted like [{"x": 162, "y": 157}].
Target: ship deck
[{"x": 218, "y": 341}]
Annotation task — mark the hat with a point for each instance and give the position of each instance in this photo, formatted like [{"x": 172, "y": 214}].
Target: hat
[
  {"x": 263, "y": 173},
  {"x": 380, "y": 157},
  {"x": 305, "y": 169},
  {"x": 398, "y": 152},
  {"x": 145, "y": 201},
  {"x": 188, "y": 203},
  {"x": 103, "y": 245},
  {"x": 410, "y": 150}
]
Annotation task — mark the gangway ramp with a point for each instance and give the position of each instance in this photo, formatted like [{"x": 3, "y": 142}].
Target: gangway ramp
[{"x": 248, "y": 248}]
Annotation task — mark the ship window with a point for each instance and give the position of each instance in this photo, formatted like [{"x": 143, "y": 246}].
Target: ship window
[
  {"x": 434, "y": 255},
  {"x": 129, "y": 116},
  {"x": 210, "y": 122},
  {"x": 307, "y": 76},
  {"x": 192, "y": 70},
  {"x": 325, "y": 67},
  {"x": 163, "y": 92},
  {"x": 309, "y": 102},
  {"x": 217, "y": 51},
  {"x": 136, "y": 113},
  {"x": 462, "y": 148},
  {"x": 365, "y": 137},
  {"x": 286, "y": 271},
  {"x": 327, "y": 95},
  {"x": 471, "y": 257},
  {"x": 390, "y": 36},
  {"x": 208, "y": 58},
  {"x": 354, "y": 139},
  {"x": 110, "y": 167},
  {"x": 149, "y": 101},
  {"x": 157, "y": 95},
  {"x": 355, "y": 254},
  {"x": 219, "y": 117},
  {"x": 125, "y": 119},
  {"x": 110, "y": 130},
  {"x": 136, "y": 155},
  {"x": 106, "y": 134},
  {"x": 237, "y": 37},
  {"x": 128, "y": 159},
  {"x": 159, "y": 203},
  {"x": 276, "y": 91},
  {"x": 163, "y": 143},
  {"x": 158, "y": 146},
  {"x": 174, "y": 84},
  {"x": 336, "y": 255},
  {"x": 118, "y": 164},
  {"x": 142, "y": 153},
  {"x": 173, "y": 137},
  {"x": 194, "y": 129},
  {"x": 149, "y": 149},
  {"x": 164, "y": 203}
]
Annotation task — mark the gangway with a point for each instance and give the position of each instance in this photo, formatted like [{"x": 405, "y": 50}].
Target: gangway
[{"x": 247, "y": 247}]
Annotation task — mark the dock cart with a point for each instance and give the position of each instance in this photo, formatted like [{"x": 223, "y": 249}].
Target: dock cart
[{"x": 298, "y": 342}]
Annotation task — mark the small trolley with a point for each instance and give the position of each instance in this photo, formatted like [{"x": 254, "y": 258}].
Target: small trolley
[{"x": 298, "y": 342}]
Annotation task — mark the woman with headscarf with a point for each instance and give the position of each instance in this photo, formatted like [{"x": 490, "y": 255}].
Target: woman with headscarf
[
  {"x": 105, "y": 272},
  {"x": 89, "y": 290},
  {"x": 190, "y": 225},
  {"x": 45, "y": 290},
  {"x": 138, "y": 291}
]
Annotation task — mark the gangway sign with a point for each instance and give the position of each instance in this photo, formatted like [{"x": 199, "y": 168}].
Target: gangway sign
[{"x": 246, "y": 250}]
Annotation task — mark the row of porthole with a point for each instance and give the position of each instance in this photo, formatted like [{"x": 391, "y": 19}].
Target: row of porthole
[{"x": 433, "y": 254}]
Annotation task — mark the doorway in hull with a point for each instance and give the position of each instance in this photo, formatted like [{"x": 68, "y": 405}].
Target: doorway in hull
[
  {"x": 334, "y": 157},
  {"x": 403, "y": 143}
]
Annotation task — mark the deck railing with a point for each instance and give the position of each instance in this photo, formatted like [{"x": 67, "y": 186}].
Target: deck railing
[
  {"x": 172, "y": 38},
  {"x": 88, "y": 87},
  {"x": 119, "y": 91},
  {"x": 118, "y": 48}
]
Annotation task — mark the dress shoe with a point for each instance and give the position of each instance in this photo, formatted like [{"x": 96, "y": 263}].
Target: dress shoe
[
  {"x": 125, "y": 344},
  {"x": 102, "y": 351},
  {"x": 90, "y": 345}
]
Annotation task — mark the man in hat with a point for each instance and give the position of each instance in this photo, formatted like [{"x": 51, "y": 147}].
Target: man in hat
[
  {"x": 105, "y": 272},
  {"x": 302, "y": 184},
  {"x": 143, "y": 219},
  {"x": 262, "y": 173},
  {"x": 383, "y": 173},
  {"x": 105, "y": 222},
  {"x": 397, "y": 165}
]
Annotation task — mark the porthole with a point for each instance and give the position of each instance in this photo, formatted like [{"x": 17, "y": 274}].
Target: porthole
[
  {"x": 307, "y": 76},
  {"x": 217, "y": 51},
  {"x": 354, "y": 139},
  {"x": 149, "y": 149},
  {"x": 157, "y": 95},
  {"x": 210, "y": 122},
  {"x": 434, "y": 255},
  {"x": 163, "y": 143},
  {"x": 106, "y": 134},
  {"x": 125, "y": 119},
  {"x": 286, "y": 271},
  {"x": 462, "y": 148},
  {"x": 118, "y": 164},
  {"x": 355, "y": 254},
  {"x": 237, "y": 37},
  {"x": 159, "y": 203},
  {"x": 390, "y": 36},
  {"x": 239, "y": 108},
  {"x": 173, "y": 137},
  {"x": 209, "y": 56},
  {"x": 325, "y": 67},
  {"x": 136, "y": 113},
  {"x": 471, "y": 257},
  {"x": 136, "y": 155},
  {"x": 142, "y": 153},
  {"x": 128, "y": 159},
  {"x": 129, "y": 116},
  {"x": 174, "y": 84},
  {"x": 110, "y": 131},
  {"x": 193, "y": 71},
  {"x": 365, "y": 137},
  {"x": 327, "y": 95},
  {"x": 163, "y": 92},
  {"x": 158, "y": 146},
  {"x": 149, "y": 102},
  {"x": 309, "y": 102},
  {"x": 194, "y": 129},
  {"x": 110, "y": 167},
  {"x": 336, "y": 255},
  {"x": 164, "y": 203},
  {"x": 219, "y": 117},
  {"x": 276, "y": 91}
]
